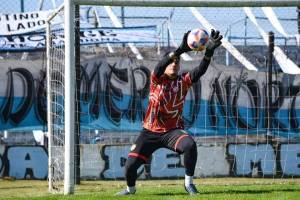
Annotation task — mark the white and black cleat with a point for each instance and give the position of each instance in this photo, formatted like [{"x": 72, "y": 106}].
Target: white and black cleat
[
  {"x": 191, "y": 189},
  {"x": 124, "y": 192}
]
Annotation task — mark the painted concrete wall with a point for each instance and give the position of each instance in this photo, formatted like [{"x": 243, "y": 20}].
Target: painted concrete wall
[{"x": 107, "y": 162}]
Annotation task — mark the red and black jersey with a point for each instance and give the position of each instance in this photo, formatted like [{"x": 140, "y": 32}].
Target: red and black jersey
[{"x": 166, "y": 102}]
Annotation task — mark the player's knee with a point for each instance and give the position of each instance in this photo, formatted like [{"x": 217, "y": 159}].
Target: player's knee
[
  {"x": 132, "y": 164},
  {"x": 129, "y": 165},
  {"x": 189, "y": 145},
  {"x": 193, "y": 146}
]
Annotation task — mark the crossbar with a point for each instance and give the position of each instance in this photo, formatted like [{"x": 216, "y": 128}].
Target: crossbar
[{"x": 191, "y": 3}]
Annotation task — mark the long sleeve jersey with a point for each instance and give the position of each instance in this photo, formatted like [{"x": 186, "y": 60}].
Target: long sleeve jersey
[{"x": 167, "y": 96}]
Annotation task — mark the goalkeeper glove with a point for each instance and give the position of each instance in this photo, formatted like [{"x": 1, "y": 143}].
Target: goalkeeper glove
[
  {"x": 183, "y": 46},
  {"x": 213, "y": 42}
]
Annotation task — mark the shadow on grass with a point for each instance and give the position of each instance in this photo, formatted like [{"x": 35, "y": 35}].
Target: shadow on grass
[
  {"x": 14, "y": 187},
  {"x": 230, "y": 191}
]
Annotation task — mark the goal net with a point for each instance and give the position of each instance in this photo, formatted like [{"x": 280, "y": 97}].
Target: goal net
[
  {"x": 243, "y": 112},
  {"x": 56, "y": 100}
]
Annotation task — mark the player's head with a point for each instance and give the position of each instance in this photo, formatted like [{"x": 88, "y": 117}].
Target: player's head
[{"x": 173, "y": 68}]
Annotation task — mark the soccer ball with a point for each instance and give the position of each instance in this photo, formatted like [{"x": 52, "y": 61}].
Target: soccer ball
[{"x": 197, "y": 39}]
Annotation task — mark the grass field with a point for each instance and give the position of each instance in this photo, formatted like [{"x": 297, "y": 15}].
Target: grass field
[{"x": 217, "y": 188}]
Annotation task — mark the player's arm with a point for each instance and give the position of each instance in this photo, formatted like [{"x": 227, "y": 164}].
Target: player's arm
[
  {"x": 213, "y": 43},
  {"x": 169, "y": 58}
]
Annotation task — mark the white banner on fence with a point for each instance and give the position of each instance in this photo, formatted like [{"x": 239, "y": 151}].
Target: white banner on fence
[
  {"x": 19, "y": 23},
  {"x": 286, "y": 64},
  {"x": 36, "y": 40}
]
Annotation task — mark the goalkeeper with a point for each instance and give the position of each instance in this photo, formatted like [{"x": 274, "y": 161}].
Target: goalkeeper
[{"x": 163, "y": 124}]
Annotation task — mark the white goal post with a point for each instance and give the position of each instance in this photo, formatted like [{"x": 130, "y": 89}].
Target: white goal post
[
  {"x": 69, "y": 62},
  {"x": 191, "y": 3}
]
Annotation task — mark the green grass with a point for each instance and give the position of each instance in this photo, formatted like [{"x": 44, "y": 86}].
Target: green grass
[{"x": 211, "y": 188}]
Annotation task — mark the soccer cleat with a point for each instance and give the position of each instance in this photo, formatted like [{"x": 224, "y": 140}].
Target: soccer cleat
[
  {"x": 191, "y": 189},
  {"x": 124, "y": 192}
]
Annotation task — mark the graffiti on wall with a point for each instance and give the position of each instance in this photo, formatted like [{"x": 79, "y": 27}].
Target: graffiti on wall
[
  {"x": 265, "y": 159},
  {"x": 23, "y": 162},
  {"x": 115, "y": 96},
  {"x": 107, "y": 162}
]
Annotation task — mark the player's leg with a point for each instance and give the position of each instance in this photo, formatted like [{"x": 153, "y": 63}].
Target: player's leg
[
  {"x": 131, "y": 166},
  {"x": 188, "y": 147},
  {"x": 144, "y": 146},
  {"x": 178, "y": 140}
]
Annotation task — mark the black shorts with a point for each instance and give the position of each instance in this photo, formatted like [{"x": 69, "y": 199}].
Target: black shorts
[{"x": 147, "y": 142}]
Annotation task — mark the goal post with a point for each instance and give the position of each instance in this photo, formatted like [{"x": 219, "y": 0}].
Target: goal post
[
  {"x": 69, "y": 96},
  {"x": 61, "y": 83},
  {"x": 61, "y": 98},
  {"x": 190, "y": 3}
]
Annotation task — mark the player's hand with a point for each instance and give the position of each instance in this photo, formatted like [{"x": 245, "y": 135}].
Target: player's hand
[
  {"x": 183, "y": 46},
  {"x": 213, "y": 43}
]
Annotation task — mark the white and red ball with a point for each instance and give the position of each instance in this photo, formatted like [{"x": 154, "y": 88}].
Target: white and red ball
[{"x": 197, "y": 39}]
